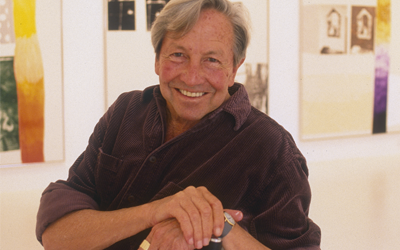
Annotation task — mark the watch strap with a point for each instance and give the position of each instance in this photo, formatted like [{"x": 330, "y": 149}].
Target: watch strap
[{"x": 227, "y": 227}]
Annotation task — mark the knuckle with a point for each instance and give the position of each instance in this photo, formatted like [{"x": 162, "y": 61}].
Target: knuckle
[
  {"x": 203, "y": 189},
  {"x": 158, "y": 234},
  {"x": 195, "y": 216},
  {"x": 216, "y": 204},
  {"x": 206, "y": 211},
  {"x": 190, "y": 189},
  {"x": 180, "y": 194}
]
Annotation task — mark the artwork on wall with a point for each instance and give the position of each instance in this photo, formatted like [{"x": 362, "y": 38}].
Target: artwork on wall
[
  {"x": 333, "y": 30},
  {"x": 8, "y": 106},
  {"x": 31, "y": 118},
  {"x": 130, "y": 55},
  {"x": 344, "y": 69},
  {"x": 256, "y": 84},
  {"x": 121, "y": 14},
  {"x": 362, "y": 29},
  {"x": 382, "y": 66},
  {"x": 153, "y": 7}
]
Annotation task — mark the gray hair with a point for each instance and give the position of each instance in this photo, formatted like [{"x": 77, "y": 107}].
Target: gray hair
[{"x": 181, "y": 15}]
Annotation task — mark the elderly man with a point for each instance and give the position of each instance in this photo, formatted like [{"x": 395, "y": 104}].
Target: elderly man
[{"x": 187, "y": 164}]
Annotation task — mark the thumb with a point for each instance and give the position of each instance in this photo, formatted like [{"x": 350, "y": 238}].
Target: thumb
[{"x": 236, "y": 214}]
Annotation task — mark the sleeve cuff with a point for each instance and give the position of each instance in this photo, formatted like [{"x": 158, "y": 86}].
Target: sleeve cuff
[{"x": 58, "y": 200}]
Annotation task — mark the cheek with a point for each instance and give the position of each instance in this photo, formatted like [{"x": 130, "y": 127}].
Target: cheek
[
  {"x": 167, "y": 72},
  {"x": 220, "y": 80}
]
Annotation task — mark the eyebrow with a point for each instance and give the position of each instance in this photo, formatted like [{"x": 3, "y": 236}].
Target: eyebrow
[{"x": 211, "y": 52}]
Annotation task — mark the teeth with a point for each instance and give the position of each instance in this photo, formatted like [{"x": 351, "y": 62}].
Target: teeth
[{"x": 191, "y": 94}]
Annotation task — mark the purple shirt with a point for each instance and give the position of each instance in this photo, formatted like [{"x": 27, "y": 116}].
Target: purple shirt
[{"x": 243, "y": 157}]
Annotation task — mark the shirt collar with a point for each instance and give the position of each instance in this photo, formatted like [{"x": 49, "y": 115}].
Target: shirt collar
[{"x": 238, "y": 105}]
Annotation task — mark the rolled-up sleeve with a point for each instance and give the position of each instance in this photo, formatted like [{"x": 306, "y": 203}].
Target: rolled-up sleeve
[{"x": 58, "y": 200}]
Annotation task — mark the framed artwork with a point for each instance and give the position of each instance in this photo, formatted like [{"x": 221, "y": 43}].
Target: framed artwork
[
  {"x": 345, "y": 69},
  {"x": 31, "y": 106},
  {"x": 121, "y": 15},
  {"x": 130, "y": 56}
]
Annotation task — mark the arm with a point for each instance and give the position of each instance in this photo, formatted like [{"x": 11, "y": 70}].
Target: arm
[
  {"x": 198, "y": 212},
  {"x": 239, "y": 239},
  {"x": 92, "y": 229}
]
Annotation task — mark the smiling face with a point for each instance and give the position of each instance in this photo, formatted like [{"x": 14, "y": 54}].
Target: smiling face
[{"x": 195, "y": 70}]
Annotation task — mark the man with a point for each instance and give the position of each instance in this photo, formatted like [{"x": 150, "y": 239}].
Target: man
[{"x": 163, "y": 164}]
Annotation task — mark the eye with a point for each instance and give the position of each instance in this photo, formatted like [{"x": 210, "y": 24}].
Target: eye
[
  {"x": 177, "y": 54},
  {"x": 177, "y": 57},
  {"x": 212, "y": 60}
]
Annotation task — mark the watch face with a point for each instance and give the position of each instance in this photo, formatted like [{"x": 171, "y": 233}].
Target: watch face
[{"x": 229, "y": 218}]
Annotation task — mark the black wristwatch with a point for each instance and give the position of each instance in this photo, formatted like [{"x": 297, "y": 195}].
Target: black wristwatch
[{"x": 216, "y": 242}]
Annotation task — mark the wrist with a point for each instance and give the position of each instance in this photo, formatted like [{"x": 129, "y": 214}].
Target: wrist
[
  {"x": 145, "y": 212},
  {"x": 228, "y": 224},
  {"x": 216, "y": 242}
]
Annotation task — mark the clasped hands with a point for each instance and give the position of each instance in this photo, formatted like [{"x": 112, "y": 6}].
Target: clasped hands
[{"x": 187, "y": 220}]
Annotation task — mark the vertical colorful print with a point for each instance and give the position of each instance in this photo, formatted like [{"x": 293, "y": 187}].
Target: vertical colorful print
[
  {"x": 28, "y": 71},
  {"x": 381, "y": 66},
  {"x": 336, "y": 91},
  {"x": 9, "y": 139}
]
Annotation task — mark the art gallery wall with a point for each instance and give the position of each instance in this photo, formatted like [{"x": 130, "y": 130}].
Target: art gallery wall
[
  {"x": 354, "y": 180},
  {"x": 83, "y": 75}
]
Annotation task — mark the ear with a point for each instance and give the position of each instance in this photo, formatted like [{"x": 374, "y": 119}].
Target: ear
[
  {"x": 235, "y": 69},
  {"x": 238, "y": 66},
  {"x": 157, "y": 65}
]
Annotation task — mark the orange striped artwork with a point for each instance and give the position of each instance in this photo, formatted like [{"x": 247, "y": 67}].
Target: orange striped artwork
[{"x": 29, "y": 74}]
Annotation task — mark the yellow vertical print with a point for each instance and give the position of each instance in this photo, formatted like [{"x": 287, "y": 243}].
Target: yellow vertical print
[
  {"x": 28, "y": 70},
  {"x": 383, "y": 22}
]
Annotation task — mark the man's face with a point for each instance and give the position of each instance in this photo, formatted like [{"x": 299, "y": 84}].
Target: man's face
[{"x": 196, "y": 70}]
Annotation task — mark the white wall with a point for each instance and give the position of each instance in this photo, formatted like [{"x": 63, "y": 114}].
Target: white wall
[
  {"x": 354, "y": 180},
  {"x": 21, "y": 186}
]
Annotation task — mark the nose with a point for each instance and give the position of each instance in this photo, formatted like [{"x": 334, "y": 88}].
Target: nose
[{"x": 193, "y": 74}]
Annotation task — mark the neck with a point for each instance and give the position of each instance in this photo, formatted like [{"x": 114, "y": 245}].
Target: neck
[{"x": 177, "y": 127}]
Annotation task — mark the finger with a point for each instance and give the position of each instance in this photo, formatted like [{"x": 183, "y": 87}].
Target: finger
[
  {"x": 236, "y": 214},
  {"x": 187, "y": 215},
  {"x": 203, "y": 230},
  {"x": 198, "y": 210},
  {"x": 156, "y": 228},
  {"x": 175, "y": 239},
  {"x": 186, "y": 227},
  {"x": 159, "y": 231},
  {"x": 217, "y": 211},
  {"x": 167, "y": 235},
  {"x": 178, "y": 206}
]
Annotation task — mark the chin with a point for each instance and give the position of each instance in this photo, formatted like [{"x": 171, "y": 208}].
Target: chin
[{"x": 192, "y": 116}]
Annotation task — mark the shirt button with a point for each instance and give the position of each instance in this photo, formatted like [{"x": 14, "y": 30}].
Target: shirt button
[
  {"x": 153, "y": 159},
  {"x": 131, "y": 198}
]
